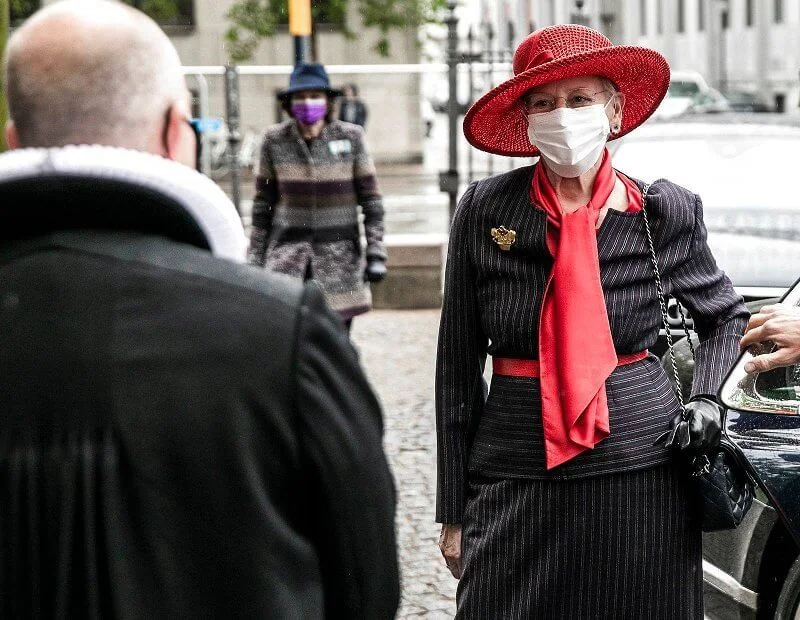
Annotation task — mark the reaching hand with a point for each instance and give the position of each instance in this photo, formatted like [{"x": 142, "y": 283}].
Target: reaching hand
[
  {"x": 375, "y": 271},
  {"x": 777, "y": 324}
]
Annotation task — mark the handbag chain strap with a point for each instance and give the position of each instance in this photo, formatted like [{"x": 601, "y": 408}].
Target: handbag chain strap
[{"x": 663, "y": 305}]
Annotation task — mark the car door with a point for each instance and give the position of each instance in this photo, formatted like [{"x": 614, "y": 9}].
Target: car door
[{"x": 763, "y": 419}]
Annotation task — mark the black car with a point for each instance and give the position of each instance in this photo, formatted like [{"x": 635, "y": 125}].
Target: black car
[
  {"x": 739, "y": 101},
  {"x": 754, "y": 571},
  {"x": 754, "y": 232}
]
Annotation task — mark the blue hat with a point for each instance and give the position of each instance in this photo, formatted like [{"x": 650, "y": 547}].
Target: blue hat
[{"x": 309, "y": 76}]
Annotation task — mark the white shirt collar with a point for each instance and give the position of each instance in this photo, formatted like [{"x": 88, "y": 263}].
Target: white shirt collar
[{"x": 198, "y": 195}]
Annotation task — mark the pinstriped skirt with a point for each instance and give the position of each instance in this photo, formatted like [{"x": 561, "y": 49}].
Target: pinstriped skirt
[{"x": 617, "y": 546}]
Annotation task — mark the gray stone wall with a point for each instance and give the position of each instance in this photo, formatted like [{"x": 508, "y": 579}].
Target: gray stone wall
[{"x": 394, "y": 131}]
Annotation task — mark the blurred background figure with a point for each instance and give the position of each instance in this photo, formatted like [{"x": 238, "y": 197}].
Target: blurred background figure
[
  {"x": 427, "y": 115},
  {"x": 313, "y": 175},
  {"x": 351, "y": 108}
]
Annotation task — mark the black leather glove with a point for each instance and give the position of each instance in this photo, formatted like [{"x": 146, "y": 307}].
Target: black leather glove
[
  {"x": 375, "y": 271},
  {"x": 700, "y": 431}
]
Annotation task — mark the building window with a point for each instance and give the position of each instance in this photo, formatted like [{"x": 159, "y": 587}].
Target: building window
[
  {"x": 681, "y": 16},
  {"x": 701, "y": 15},
  {"x": 167, "y": 12},
  {"x": 748, "y": 17},
  {"x": 778, "y": 11},
  {"x": 20, "y": 10},
  {"x": 643, "y": 17},
  {"x": 725, "y": 19}
]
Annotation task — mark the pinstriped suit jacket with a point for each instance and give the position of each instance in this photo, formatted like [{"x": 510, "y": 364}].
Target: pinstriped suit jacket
[{"x": 492, "y": 303}]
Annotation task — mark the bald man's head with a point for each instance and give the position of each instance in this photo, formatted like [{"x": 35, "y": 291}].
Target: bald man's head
[{"x": 92, "y": 72}]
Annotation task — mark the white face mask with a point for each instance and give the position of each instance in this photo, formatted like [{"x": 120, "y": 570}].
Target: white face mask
[{"x": 570, "y": 139}]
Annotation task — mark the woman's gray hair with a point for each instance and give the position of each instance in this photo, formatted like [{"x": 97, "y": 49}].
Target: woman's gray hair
[{"x": 609, "y": 86}]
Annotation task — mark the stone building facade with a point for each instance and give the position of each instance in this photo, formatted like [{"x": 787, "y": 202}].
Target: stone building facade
[
  {"x": 744, "y": 45},
  {"x": 394, "y": 130}
]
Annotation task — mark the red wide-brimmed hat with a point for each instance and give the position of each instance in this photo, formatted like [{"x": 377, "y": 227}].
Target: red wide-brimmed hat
[{"x": 496, "y": 123}]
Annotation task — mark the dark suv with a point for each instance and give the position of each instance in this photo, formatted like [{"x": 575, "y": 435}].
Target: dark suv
[{"x": 754, "y": 571}]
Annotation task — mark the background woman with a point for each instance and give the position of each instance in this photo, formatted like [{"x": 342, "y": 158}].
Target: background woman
[
  {"x": 313, "y": 174},
  {"x": 554, "y": 500}
]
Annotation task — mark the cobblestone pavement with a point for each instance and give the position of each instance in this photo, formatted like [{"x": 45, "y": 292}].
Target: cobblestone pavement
[{"x": 398, "y": 353}]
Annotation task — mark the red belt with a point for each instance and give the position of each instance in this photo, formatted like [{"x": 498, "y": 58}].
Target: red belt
[{"x": 530, "y": 368}]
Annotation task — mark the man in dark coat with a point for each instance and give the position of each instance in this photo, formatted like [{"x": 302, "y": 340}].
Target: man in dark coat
[
  {"x": 180, "y": 435},
  {"x": 351, "y": 108}
]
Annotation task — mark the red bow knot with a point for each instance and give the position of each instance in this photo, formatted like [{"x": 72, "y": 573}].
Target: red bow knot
[{"x": 540, "y": 58}]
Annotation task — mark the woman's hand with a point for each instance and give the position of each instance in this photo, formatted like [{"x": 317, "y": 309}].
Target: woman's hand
[
  {"x": 701, "y": 430},
  {"x": 450, "y": 546}
]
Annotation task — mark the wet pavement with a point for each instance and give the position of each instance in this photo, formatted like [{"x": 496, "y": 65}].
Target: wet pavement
[{"x": 398, "y": 353}]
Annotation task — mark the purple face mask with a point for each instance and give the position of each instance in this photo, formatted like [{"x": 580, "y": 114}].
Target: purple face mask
[{"x": 309, "y": 111}]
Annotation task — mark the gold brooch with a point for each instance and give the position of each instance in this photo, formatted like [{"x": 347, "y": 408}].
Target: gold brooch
[{"x": 503, "y": 237}]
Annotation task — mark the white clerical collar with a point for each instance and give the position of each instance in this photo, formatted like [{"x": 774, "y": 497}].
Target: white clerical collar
[{"x": 198, "y": 195}]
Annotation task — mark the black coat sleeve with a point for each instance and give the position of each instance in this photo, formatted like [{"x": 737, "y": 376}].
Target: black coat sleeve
[
  {"x": 717, "y": 310},
  {"x": 350, "y": 492},
  {"x": 459, "y": 368}
]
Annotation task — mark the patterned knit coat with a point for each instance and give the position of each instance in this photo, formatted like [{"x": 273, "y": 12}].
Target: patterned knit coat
[{"x": 305, "y": 212}]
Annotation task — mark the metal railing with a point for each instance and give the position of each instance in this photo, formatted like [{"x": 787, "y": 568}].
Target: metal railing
[{"x": 476, "y": 70}]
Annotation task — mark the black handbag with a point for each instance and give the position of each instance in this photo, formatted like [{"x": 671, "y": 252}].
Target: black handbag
[{"x": 719, "y": 478}]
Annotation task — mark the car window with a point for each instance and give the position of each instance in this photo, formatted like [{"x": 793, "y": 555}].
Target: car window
[
  {"x": 775, "y": 392},
  {"x": 682, "y": 89},
  {"x": 780, "y": 384},
  {"x": 753, "y": 228}
]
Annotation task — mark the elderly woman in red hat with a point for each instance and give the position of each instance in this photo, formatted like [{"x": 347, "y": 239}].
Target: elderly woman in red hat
[
  {"x": 556, "y": 499},
  {"x": 314, "y": 174}
]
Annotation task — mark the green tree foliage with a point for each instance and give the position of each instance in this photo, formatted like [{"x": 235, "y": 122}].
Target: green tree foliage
[
  {"x": 254, "y": 20},
  {"x": 165, "y": 11},
  {"x": 159, "y": 10},
  {"x": 20, "y": 9}
]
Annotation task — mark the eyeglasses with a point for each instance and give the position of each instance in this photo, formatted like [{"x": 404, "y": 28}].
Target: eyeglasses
[
  {"x": 537, "y": 103},
  {"x": 196, "y": 126}
]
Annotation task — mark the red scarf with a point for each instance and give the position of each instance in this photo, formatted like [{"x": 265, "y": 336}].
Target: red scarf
[{"x": 576, "y": 351}]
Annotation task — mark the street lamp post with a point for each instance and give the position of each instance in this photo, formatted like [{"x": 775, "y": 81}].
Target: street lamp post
[
  {"x": 448, "y": 179},
  {"x": 471, "y": 59},
  {"x": 717, "y": 43},
  {"x": 723, "y": 47},
  {"x": 234, "y": 137},
  {"x": 490, "y": 75},
  {"x": 300, "y": 27}
]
